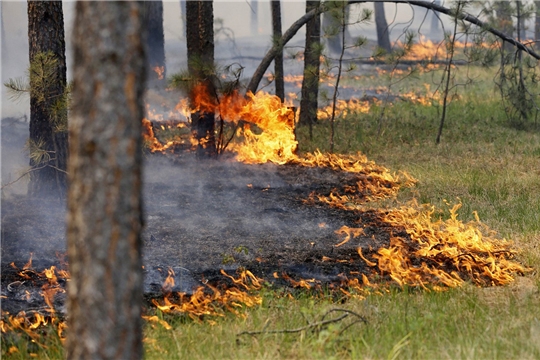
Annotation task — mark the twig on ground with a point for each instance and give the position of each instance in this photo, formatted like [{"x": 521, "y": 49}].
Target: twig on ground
[{"x": 315, "y": 325}]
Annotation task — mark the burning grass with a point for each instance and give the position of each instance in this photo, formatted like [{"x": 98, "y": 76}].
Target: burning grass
[{"x": 427, "y": 251}]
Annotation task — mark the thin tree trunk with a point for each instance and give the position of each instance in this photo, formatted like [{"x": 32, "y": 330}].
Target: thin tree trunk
[
  {"x": 155, "y": 42},
  {"x": 200, "y": 51},
  {"x": 104, "y": 198},
  {"x": 383, "y": 34},
  {"x": 310, "y": 84},
  {"x": 537, "y": 25},
  {"x": 46, "y": 35},
  {"x": 338, "y": 78},
  {"x": 504, "y": 22},
  {"x": 278, "y": 60},
  {"x": 254, "y": 18},
  {"x": 448, "y": 74}
]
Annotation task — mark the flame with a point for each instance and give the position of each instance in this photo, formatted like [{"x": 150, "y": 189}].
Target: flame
[
  {"x": 201, "y": 302},
  {"x": 345, "y": 108},
  {"x": 153, "y": 144},
  {"x": 440, "y": 253},
  {"x": 159, "y": 70}
]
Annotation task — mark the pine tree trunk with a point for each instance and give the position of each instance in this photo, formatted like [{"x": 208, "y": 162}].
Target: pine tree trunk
[
  {"x": 200, "y": 52},
  {"x": 155, "y": 42},
  {"x": 104, "y": 198},
  {"x": 310, "y": 83},
  {"x": 278, "y": 60},
  {"x": 383, "y": 34},
  {"x": 537, "y": 24},
  {"x": 46, "y": 34}
]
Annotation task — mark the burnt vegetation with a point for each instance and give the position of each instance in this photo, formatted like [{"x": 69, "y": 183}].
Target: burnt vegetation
[{"x": 266, "y": 214}]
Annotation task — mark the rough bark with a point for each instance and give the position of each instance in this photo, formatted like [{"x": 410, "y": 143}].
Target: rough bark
[
  {"x": 155, "y": 42},
  {"x": 293, "y": 29},
  {"x": 46, "y": 35},
  {"x": 278, "y": 60},
  {"x": 200, "y": 52},
  {"x": 104, "y": 197},
  {"x": 310, "y": 83},
  {"x": 383, "y": 33}
]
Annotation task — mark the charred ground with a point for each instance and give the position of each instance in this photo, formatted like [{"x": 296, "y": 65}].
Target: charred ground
[{"x": 205, "y": 216}]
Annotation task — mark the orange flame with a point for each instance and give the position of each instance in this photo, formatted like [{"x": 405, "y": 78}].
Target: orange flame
[{"x": 159, "y": 70}]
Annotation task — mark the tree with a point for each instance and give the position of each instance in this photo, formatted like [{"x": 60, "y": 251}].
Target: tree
[
  {"x": 254, "y": 19},
  {"x": 200, "y": 52},
  {"x": 504, "y": 22},
  {"x": 278, "y": 60},
  {"x": 104, "y": 197},
  {"x": 48, "y": 140},
  {"x": 310, "y": 83},
  {"x": 332, "y": 25},
  {"x": 155, "y": 41},
  {"x": 383, "y": 34},
  {"x": 537, "y": 24},
  {"x": 293, "y": 29}
]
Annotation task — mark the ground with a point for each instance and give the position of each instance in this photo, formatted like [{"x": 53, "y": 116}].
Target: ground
[{"x": 205, "y": 216}]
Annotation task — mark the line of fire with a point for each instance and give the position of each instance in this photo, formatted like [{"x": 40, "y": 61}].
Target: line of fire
[
  {"x": 404, "y": 246},
  {"x": 259, "y": 212}
]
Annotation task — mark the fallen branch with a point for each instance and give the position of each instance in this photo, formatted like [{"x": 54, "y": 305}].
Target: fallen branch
[
  {"x": 297, "y": 25},
  {"x": 317, "y": 325}
]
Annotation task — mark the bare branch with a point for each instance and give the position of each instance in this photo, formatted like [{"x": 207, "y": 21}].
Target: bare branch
[
  {"x": 316, "y": 325},
  {"x": 297, "y": 25}
]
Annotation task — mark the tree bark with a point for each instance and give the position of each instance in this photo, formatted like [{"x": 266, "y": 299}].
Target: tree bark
[
  {"x": 104, "y": 197},
  {"x": 310, "y": 83},
  {"x": 200, "y": 52},
  {"x": 46, "y": 35},
  {"x": 278, "y": 60},
  {"x": 155, "y": 42},
  {"x": 383, "y": 34}
]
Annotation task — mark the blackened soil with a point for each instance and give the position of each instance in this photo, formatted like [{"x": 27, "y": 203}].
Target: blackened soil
[{"x": 204, "y": 216}]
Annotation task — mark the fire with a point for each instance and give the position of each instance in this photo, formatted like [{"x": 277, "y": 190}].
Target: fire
[
  {"x": 32, "y": 321},
  {"x": 203, "y": 303},
  {"x": 439, "y": 252},
  {"x": 152, "y": 143},
  {"x": 345, "y": 108},
  {"x": 159, "y": 70}
]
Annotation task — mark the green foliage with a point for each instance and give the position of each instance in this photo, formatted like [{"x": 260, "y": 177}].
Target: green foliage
[{"x": 41, "y": 77}]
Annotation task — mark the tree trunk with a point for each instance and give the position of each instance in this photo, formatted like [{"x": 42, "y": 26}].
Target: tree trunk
[
  {"x": 383, "y": 34},
  {"x": 505, "y": 24},
  {"x": 310, "y": 83},
  {"x": 278, "y": 60},
  {"x": 254, "y": 18},
  {"x": 537, "y": 25},
  {"x": 293, "y": 29},
  {"x": 200, "y": 52},
  {"x": 332, "y": 24},
  {"x": 46, "y": 35},
  {"x": 155, "y": 42},
  {"x": 104, "y": 198}
]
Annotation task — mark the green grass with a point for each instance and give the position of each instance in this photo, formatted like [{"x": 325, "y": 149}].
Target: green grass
[
  {"x": 459, "y": 323},
  {"x": 482, "y": 162}
]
